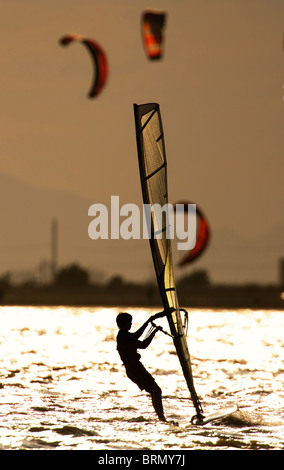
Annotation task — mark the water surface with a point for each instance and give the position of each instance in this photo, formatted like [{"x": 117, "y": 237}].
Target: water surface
[{"x": 62, "y": 385}]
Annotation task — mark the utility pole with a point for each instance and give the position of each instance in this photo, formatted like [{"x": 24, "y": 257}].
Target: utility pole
[
  {"x": 54, "y": 248},
  {"x": 281, "y": 273}
]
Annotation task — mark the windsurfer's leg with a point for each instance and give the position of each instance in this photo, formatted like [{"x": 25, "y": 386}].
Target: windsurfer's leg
[
  {"x": 146, "y": 382},
  {"x": 156, "y": 394}
]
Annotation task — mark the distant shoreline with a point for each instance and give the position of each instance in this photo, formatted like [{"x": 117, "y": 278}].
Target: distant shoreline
[{"x": 233, "y": 297}]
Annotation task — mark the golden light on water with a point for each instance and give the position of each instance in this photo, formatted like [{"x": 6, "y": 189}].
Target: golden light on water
[{"x": 63, "y": 385}]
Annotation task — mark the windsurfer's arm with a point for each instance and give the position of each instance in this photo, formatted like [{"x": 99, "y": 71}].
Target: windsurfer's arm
[
  {"x": 139, "y": 332},
  {"x": 162, "y": 314},
  {"x": 142, "y": 328},
  {"x": 144, "y": 344}
]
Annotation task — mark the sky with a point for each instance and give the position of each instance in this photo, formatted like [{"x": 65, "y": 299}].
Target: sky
[{"x": 220, "y": 87}]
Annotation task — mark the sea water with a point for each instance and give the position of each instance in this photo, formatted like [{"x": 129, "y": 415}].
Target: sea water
[{"x": 63, "y": 387}]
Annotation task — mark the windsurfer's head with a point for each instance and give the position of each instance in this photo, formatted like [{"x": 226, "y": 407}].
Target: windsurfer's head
[{"x": 124, "y": 320}]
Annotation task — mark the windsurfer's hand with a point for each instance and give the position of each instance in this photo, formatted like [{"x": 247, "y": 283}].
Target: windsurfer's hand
[
  {"x": 170, "y": 310},
  {"x": 158, "y": 328}
]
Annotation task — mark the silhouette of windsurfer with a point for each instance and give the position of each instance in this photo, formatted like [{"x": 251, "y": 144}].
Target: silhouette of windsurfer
[{"x": 127, "y": 345}]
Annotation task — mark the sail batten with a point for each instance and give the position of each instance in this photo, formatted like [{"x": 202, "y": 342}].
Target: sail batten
[
  {"x": 148, "y": 120},
  {"x": 153, "y": 176},
  {"x": 156, "y": 171}
]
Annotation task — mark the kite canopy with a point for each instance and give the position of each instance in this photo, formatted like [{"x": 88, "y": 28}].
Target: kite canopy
[
  {"x": 202, "y": 236},
  {"x": 99, "y": 60},
  {"x": 153, "y": 23}
]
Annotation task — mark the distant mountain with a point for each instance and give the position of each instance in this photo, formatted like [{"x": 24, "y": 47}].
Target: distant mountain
[
  {"x": 26, "y": 215},
  {"x": 25, "y": 241},
  {"x": 25, "y": 235}
]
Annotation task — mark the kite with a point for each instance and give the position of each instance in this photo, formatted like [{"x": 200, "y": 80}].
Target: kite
[
  {"x": 202, "y": 236},
  {"x": 153, "y": 23},
  {"x": 99, "y": 59}
]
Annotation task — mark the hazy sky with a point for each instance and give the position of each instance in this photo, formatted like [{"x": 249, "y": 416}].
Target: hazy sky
[{"x": 220, "y": 88}]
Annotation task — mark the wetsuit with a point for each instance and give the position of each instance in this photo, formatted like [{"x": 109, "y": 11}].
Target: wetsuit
[{"x": 127, "y": 346}]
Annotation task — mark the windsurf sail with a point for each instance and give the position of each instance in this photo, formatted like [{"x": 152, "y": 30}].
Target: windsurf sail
[{"x": 153, "y": 175}]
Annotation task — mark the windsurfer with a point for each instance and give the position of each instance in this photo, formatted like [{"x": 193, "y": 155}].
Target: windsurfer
[{"x": 127, "y": 345}]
